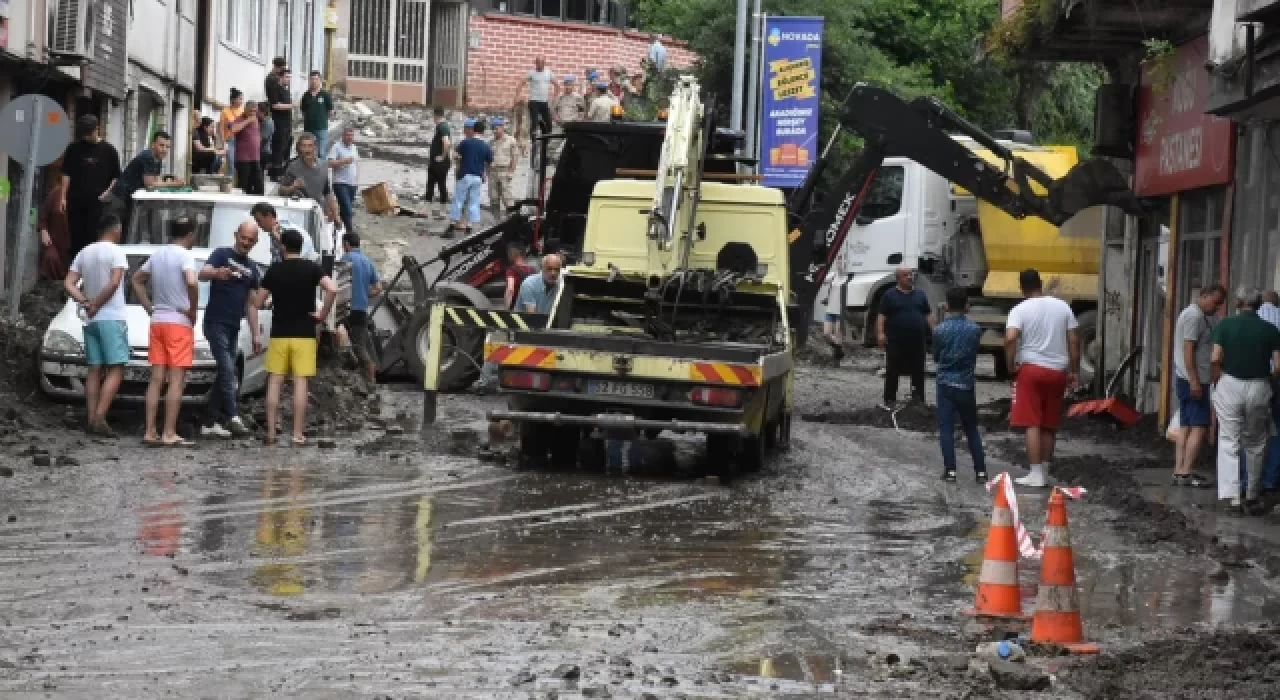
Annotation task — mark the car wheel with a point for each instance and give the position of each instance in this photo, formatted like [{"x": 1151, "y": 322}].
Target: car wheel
[{"x": 722, "y": 455}]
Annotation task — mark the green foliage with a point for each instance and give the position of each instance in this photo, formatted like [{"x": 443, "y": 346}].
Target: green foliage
[
  {"x": 949, "y": 49},
  {"x": 1158, "y": 63}
]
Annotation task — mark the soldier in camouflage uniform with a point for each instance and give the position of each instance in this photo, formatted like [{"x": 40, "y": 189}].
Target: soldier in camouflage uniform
[
  {"x": 506, "y": 156},
  {"x": 569, "y": 107}
]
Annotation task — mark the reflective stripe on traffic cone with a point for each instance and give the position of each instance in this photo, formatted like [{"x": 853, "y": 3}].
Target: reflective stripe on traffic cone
[
  {"x": 998, "y": 592},
  {"x": 1057, "y": 615}
]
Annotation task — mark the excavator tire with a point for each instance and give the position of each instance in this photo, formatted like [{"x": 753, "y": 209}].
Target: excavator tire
[{"x": 460, "y": 358}]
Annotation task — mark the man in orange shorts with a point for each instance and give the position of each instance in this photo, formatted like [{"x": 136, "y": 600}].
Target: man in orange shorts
[
  {"x": 1043, "y": 352},
  {"x": 173, "y": 308}
]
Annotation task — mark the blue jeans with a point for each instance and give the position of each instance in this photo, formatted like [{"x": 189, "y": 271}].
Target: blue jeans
[
  {"x": 953, "y": 402},
  {"x": 467, "y": 191},
  {"x": 322, "y": 143},
  {"x": 346, "y": 195},
  {"x": 224, "y": 339}
]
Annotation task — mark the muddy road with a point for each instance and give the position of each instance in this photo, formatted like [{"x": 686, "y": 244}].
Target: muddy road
[{"x": 400, "y": 564}]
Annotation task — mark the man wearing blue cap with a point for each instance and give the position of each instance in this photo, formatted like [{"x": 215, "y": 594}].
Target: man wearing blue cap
[
  {"x": 569, "y": 105},
  {"x": 506, "y": 155},
  {"x": 601, "y": 109},
  {"x": 474, "y": 157}
]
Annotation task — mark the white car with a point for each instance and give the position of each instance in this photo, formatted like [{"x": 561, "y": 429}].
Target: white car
[{"x": 62, "y": 359}]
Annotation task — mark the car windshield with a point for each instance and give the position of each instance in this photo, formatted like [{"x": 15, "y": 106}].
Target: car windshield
[
  {"x": 136, "y": 261},
  {"x": 150, "y": 222}
]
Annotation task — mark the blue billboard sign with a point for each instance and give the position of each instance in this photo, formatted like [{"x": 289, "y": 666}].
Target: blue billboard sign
[{"x": 792, "y": 96}]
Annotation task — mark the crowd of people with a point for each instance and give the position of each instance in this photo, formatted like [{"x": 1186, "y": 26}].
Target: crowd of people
[{"x": 167, "y": 287}]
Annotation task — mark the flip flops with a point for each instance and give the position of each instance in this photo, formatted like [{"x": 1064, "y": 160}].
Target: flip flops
[{"x": 178, "y": 442}]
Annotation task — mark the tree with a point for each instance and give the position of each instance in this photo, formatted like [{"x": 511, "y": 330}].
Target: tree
[{"x": 915, "y": 47}]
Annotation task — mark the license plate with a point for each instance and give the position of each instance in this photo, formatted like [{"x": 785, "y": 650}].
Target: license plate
[{"x": 626, "y": 389}]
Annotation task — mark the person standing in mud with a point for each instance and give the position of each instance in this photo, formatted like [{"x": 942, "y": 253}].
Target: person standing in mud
[
  {"x": 902, "y": 328},
  {"x": 291, "y": 352},
  {"x": 1042, "y": 349},
  {"x": 955, "y": 348},
  {"x": 101, "y": 267},
  {"x": 90, "y": 168},
  {"x": 232, "y": 275},
  {"x": 1191, "y": 372},
  {"x": 1244, "y": 362},
  {"x": 438, "y": 165},
  {"x": 171, "y": 344},
  {"x": 502, "y": 173}
]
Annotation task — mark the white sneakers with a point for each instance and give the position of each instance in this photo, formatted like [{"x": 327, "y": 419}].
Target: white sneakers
[
  {"x": 215, "y": 430},
  {"x": 1037, "y": 479}
]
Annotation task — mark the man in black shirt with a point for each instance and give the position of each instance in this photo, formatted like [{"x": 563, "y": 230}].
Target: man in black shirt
[
  {"x": 291, "y": 351},
  {"x": 90, "y": 167},
  {"x": 143, "y": 172},
  {"x": 282, "y": 115},
  {"x": 902, "y": 328}
]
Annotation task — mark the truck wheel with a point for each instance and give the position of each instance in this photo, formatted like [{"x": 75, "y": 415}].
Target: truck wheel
[
  {"x": 722, "y": 455},
  {"x": 460, "y": 358},
  {"x": 784, "y": 431},
  {"x": 752, "y": 450},
  {"x": 770, "y": 434},
  {"x": 534, "y": 441},
  {"x": 564, "y": 446}
]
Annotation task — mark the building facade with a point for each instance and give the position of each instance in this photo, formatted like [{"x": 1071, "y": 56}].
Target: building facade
[{"x": 474, "y": 53}]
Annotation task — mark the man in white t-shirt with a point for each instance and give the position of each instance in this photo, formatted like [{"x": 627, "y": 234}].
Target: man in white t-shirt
[
  {"x": 172, "y": 273},
  {"x": 101, "y": 267},
  {"x": 344, "y": 160},
  {"x": 1043, "y": 352},
  {"x": 541, "y": 82}
]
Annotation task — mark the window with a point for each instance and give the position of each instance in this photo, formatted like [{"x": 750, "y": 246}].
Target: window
[
  {"x": 884, "y": 199},
  {"x": 593, "y": 11},
  {"x": 550, "y": 9},
  {"x": 242, "y": 25},
  {"x": 151, "y": 220},
  {"x": 284, "y": 27},
  {"x": 524, "y": 7}
]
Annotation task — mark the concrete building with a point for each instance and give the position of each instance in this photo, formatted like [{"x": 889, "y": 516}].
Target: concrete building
[
  {"x": 161, "y": 79},
  {"x": 73, "y": 52},
  {"x": 473, "y": 53}
]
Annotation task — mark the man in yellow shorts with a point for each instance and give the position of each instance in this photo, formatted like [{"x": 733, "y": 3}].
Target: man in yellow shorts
[{"x": 291, "y": 352}]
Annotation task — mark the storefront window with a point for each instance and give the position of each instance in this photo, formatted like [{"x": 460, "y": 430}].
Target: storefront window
[{"x": 1255, "y": 236}]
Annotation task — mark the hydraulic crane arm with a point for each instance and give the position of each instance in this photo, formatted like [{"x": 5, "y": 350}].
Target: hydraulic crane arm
[{"x": 921, "y": 130}]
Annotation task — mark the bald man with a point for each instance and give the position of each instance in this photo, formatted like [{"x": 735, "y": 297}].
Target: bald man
[
  {"x": 902, "y": 327},
  {"x": 538, "y": 292},
  {"x": 232, "y": 276}
]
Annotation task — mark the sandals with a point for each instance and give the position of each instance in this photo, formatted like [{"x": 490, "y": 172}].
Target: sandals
[
  {"x": 179, "y": 442},
  {"x": 1192, "y": 480},
  {"x": 150, "y": 442},
  {"x": 298, "y": 441}
]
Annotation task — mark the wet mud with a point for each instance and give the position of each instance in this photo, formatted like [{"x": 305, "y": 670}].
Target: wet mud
[{"x": 1223, "y": 665}]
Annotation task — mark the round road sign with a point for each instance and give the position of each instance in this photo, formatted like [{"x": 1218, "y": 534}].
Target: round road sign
[{"x": 52, "y": 135}]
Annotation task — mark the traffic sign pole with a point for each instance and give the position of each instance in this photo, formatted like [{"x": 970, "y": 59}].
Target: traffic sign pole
[{"x": 24, "y": 230}]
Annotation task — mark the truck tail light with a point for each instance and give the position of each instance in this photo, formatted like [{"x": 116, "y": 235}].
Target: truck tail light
[
  {"x": 521, "y": 379},
  {"x": 715, "y": 396}
]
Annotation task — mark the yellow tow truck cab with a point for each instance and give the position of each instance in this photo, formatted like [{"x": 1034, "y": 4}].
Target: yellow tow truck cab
[{"x": 641, "y": 341}]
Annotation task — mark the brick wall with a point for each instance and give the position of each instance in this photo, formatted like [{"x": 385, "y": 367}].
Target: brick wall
[{"x": 508, "y": 46}]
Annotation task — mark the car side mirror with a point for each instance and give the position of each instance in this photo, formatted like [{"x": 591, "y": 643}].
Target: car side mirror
[{"x": 864, "y": 220}]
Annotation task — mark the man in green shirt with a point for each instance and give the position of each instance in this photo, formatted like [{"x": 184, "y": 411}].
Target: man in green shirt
[
  {"x": 316, "y": 105},
  {"x": 1246, "y": 352}
]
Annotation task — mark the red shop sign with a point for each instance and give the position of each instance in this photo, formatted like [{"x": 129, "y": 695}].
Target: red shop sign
[{"x": 1179, "y": 146}]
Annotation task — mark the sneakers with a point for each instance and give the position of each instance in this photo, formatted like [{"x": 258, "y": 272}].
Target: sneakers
[
  {"x": 1037, "y": 479},
  {"x": 949, "y": 476},
  {"x": 448, "y": 232},
  {"x": 215, "y": 430},
  {"x": 1192, "y": 480},
  {"x": 1255, "y": 507},
  {"x": 237, "y": 427},
  {"x": 101, "y": 429},
  {"x": 837, "y": 353},
  {"x": 980, "y": 477}
]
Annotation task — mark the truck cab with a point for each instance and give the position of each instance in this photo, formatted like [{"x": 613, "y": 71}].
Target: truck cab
[{"x": 914, "y": 217}]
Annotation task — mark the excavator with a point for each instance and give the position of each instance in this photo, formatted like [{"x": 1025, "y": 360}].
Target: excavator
[{"x": 998, "y": 173}]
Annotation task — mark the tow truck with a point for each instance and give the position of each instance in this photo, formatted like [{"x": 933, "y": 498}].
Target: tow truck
[{"x": 684, "y": 309}]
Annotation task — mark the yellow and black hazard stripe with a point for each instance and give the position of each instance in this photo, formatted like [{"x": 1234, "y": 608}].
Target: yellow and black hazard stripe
[{"x": 493, "y": 320}]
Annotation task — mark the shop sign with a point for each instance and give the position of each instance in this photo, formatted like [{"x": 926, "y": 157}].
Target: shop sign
[{"x": 1180, "y": 147}]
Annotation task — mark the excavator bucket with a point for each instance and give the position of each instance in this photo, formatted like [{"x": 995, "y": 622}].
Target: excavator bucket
[{"x": 1092, "y": 183}]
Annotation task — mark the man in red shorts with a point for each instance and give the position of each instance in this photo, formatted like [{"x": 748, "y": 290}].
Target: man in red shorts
[{"x": 1043, "y": 350}]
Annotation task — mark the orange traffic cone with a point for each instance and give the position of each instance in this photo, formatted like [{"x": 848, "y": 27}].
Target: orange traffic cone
[
  {"x": 1057, "y": 616},
  {"x": 998, "y": 592}
]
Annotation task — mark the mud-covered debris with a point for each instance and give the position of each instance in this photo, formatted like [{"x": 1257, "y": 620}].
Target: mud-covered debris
[
  {"x": 42, "y": 461},
  {"x": 66, "y": 461},
  {"x": 567, "y": 672},
  {"x": 325, "y": 444},
  {"x": 524, "y": 677},
  {"x": 6, "y": 472},
  {"x": 1013, "y": 676},
  {"x": 596, "y": 691}
]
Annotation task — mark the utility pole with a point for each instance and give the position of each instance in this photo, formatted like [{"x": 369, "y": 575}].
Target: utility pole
[
  {"x": 753, "y": 82},
  {"x": 739, "y": 66}
]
